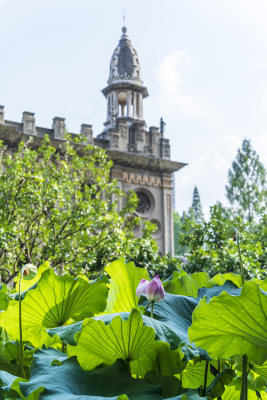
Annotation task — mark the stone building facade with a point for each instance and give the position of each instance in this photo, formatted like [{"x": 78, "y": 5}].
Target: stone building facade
[{"x": 141, "y": 156}]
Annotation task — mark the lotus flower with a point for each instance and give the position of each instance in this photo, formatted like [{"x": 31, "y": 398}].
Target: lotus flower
[
  {"x": 141, "y": 288},
  {"x": 153, "y": 290}
]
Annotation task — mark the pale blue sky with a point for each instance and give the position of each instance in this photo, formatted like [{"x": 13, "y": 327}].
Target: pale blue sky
[{"x": 204, "y": 63}]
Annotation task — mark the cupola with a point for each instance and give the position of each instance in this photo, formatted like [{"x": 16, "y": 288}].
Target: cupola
[{"x": 125, "y": 90}]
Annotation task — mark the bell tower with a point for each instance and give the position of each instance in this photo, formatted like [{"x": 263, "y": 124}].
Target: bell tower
[
  {"x": 125, "y": 91},
  {"x": 141, "y": 156}
]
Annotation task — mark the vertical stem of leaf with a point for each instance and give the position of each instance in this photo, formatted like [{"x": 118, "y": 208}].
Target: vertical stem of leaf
[
  {"x": 20, "y": 328},
  {"x": 219, "y": 370},
  {"x": 63, "y": 347},
  {"x": 151, "y": 309},
  {"x": 205, "y": 378},
  {"x": 129, "y": 367},
  {"x": 244, "y": 388},
  {"x": 240, "y": 259}
]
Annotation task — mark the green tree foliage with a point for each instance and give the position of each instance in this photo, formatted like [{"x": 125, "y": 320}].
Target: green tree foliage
[
  {"x": 62, "y": 207},
  {"x": 196, "y": 208},
  {"x": 210, "y": 248},
  {"x": 246, "y": 182}
]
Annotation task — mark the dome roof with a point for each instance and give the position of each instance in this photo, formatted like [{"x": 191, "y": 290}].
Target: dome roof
[{"x": 124, "y": 65}]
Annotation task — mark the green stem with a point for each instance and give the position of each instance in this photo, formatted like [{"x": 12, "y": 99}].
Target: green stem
[
  {"x": 151, "y": 310},
  {"x": 129, "y": 367},
  {"x": 240, "y": 259},
  {"x": 205, "y": 378},
  {"x": 63, "y": 347},
  {"x": 219, "y": 370},
  {"x": 20, "y": 329},
  {"x": 244, "y": 387}
]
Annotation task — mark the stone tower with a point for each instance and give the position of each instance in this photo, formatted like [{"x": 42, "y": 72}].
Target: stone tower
[{"x": 141, "y": 156}]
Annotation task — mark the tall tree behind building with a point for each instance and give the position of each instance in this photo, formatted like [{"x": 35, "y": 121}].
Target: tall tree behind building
[
  {"x": 247, "y": 182},
  {"x": 196, "y": 208}
]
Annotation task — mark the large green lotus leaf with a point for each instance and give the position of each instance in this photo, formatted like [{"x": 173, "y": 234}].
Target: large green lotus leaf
[
  {"x": 99, "y": 343},
  {"x": 4, "y": 300},
  {"x": 27, "y": 284},
  {"x": 193, "y": 375},
  {"x": 123, "y": 283},
  {"x": 162, "y": 330},
  {"x": 231, "y": 325},
  {"x": 159, "y": 359},
  {"x": 69, "y": 382},
  {"x": 220, "y": 279},
  {"x": 216, "y": 290},
  {"x": 52, "y": 303},
  {"x": 176, "y": 311},
  {"x": 187, "y": 285}
]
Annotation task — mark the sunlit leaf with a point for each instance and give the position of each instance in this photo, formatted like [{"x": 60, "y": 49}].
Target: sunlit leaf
[
  {"x": 193, "y": 375},
  {"x": 186, "y": 285},
  {"x": 99, "y": 343},
  {"x": 231, "y": 325},
  {"x": 52, "y": 303},
  {"x": 27, "y": 284},
  {"x": 123, "y": 283}
]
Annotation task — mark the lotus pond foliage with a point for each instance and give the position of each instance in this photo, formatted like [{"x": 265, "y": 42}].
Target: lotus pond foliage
[{"x": 128, "y": 336}]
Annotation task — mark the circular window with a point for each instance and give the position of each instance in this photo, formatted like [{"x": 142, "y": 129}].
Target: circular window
[
  {"x": 158, "y": 230},
  {"x": 144, "y": 203}
]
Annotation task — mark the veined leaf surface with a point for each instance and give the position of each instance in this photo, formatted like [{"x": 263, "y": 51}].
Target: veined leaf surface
[
  {"x": 124, "y": 281},
  {"x": 99, "y": 343},
  {"x": 52, "y": 303},
  {"x": 231, "y": 325}
]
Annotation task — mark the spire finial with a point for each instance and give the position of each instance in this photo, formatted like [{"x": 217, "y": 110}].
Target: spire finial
[
  {"x": 124, "y": 18},
  {"x": 124, "y": 29}
]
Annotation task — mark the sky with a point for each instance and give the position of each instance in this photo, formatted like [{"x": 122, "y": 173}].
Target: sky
[{"x": 204, "y": 63}]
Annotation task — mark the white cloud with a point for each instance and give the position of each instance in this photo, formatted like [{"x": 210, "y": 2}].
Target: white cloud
[{"x": 174, "y": 95}]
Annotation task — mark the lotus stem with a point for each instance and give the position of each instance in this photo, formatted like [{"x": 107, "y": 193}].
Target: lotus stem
[
  {"x": 205, "y": 378},
  {"x": 219, "y": 370},
  {"x": 20, "y": 328},
  {"x": 151, "y": 309},
  {"x": 240, "y": 258},
  {"x": 128, "y": 362},
  {"x": 244, "y": 388}
]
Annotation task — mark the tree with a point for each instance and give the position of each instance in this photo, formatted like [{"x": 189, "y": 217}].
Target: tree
[
  {"x": 246, "y": 182},
  {"x": 196, "y": 206},
  {"x": 211, "y": 249},
  {"x": 61, "y": 206}
]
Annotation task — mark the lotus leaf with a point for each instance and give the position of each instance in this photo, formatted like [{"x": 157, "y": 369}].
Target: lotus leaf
[
  {"x": 69, "y": 382},
  {"x": 124, "y": 281},
  {"x": 99, "y": 343},
  {"x": 186, "y": 285},
  {"x": 193, "y": 375},
  {"x": 230, "y": 325},
  {"x": 52, "y": 303}
]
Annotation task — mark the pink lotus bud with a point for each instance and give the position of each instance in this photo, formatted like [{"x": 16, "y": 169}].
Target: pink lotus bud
[
  {"x": 141, "y": 288},
  {"x": 155, "y": 290}
]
